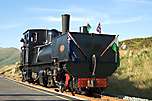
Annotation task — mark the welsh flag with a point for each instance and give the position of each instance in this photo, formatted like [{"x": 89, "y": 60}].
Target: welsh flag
[
  {"x": 115, "y": 48},
  {"x": 88, "y": 27}
]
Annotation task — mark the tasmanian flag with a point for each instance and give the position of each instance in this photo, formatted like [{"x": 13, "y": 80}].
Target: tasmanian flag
[{"x": 99, "y": 28}]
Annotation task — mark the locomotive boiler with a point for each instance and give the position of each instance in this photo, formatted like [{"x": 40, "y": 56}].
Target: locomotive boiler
[{"x": 78, "y": 61}]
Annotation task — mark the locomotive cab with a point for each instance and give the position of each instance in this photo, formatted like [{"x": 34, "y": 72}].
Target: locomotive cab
[
  {"x": 36, "y": 37},
  {"x": 52, "y": 34}
]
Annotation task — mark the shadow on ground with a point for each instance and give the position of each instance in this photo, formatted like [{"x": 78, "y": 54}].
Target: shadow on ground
[{"x": 125, "y": 87}]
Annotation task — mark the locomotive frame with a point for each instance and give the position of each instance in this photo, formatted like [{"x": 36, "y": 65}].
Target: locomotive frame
[{"x": 77, "y": 61}]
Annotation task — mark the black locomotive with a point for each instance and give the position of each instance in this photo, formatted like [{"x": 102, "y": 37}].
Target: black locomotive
[{"x": 78, "y": 61}]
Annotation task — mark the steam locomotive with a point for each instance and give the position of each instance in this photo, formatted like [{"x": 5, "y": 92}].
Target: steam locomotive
[{"x": 78, "y": 61}]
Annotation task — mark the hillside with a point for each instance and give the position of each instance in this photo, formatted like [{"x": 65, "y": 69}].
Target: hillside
[
  {"x": 8, "y": 56},
  {"x": 134, "y": 76},
  {"x": 138, "y": 43}
]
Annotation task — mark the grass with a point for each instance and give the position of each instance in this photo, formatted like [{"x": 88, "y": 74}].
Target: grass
[
  {"x": 8, "y": 56},
  {"x": 134, "y": 76},
  {"x": 138, "y": 43}
]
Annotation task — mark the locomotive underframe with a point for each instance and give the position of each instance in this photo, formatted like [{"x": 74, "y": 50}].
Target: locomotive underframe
[{"x": 48, "y": 75}]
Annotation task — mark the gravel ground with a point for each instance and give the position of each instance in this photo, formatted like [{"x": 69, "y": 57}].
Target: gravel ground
[{"x": 134, "y": 99}]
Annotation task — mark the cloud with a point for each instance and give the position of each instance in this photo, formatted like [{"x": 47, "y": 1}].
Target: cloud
[
  {"x": 74, "y": 9},
  {"x": 58, "y": 19},
  {"x": 82, "y": 13},
  {"x": 137, "y": 1},
  {"x": 123, "y": 21},
  {"x": 40, "y": 9},
  {"x": 86, "y": 15}
]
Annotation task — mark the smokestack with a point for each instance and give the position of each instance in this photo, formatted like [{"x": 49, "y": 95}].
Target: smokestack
[
  {"x": 84, "y": 29},
  {"x": 65, "y": 23}
]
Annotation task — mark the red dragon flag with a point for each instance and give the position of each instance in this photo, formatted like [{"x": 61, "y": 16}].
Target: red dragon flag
[{"x": 98, "y": 29}]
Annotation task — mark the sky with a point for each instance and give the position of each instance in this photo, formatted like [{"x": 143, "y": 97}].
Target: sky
[{"x": 127, "y": 18}]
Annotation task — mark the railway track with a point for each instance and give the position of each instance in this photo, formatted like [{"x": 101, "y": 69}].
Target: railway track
[{"x": 103, "y": 97}]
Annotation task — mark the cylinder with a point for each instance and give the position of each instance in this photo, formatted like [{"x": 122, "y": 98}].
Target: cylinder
[
  {"x": 65, "y": 23},
  {"x": 83, "y": 29}
]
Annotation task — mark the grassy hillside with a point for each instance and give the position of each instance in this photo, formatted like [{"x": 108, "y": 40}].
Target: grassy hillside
[
  {"x": 8, "y": 56},
  {"x": 138, "y": 43},
  {"x": 134, "y": 76}
]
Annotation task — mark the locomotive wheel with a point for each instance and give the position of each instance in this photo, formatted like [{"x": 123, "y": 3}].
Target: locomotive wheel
[
  {"x": 23, "y": 79},
  {"x": 62, "y": 88},
  {"x": 23, "y": 75},
  {"x": 30, "y": 80},
  {"x": 44, "y": 81}
]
